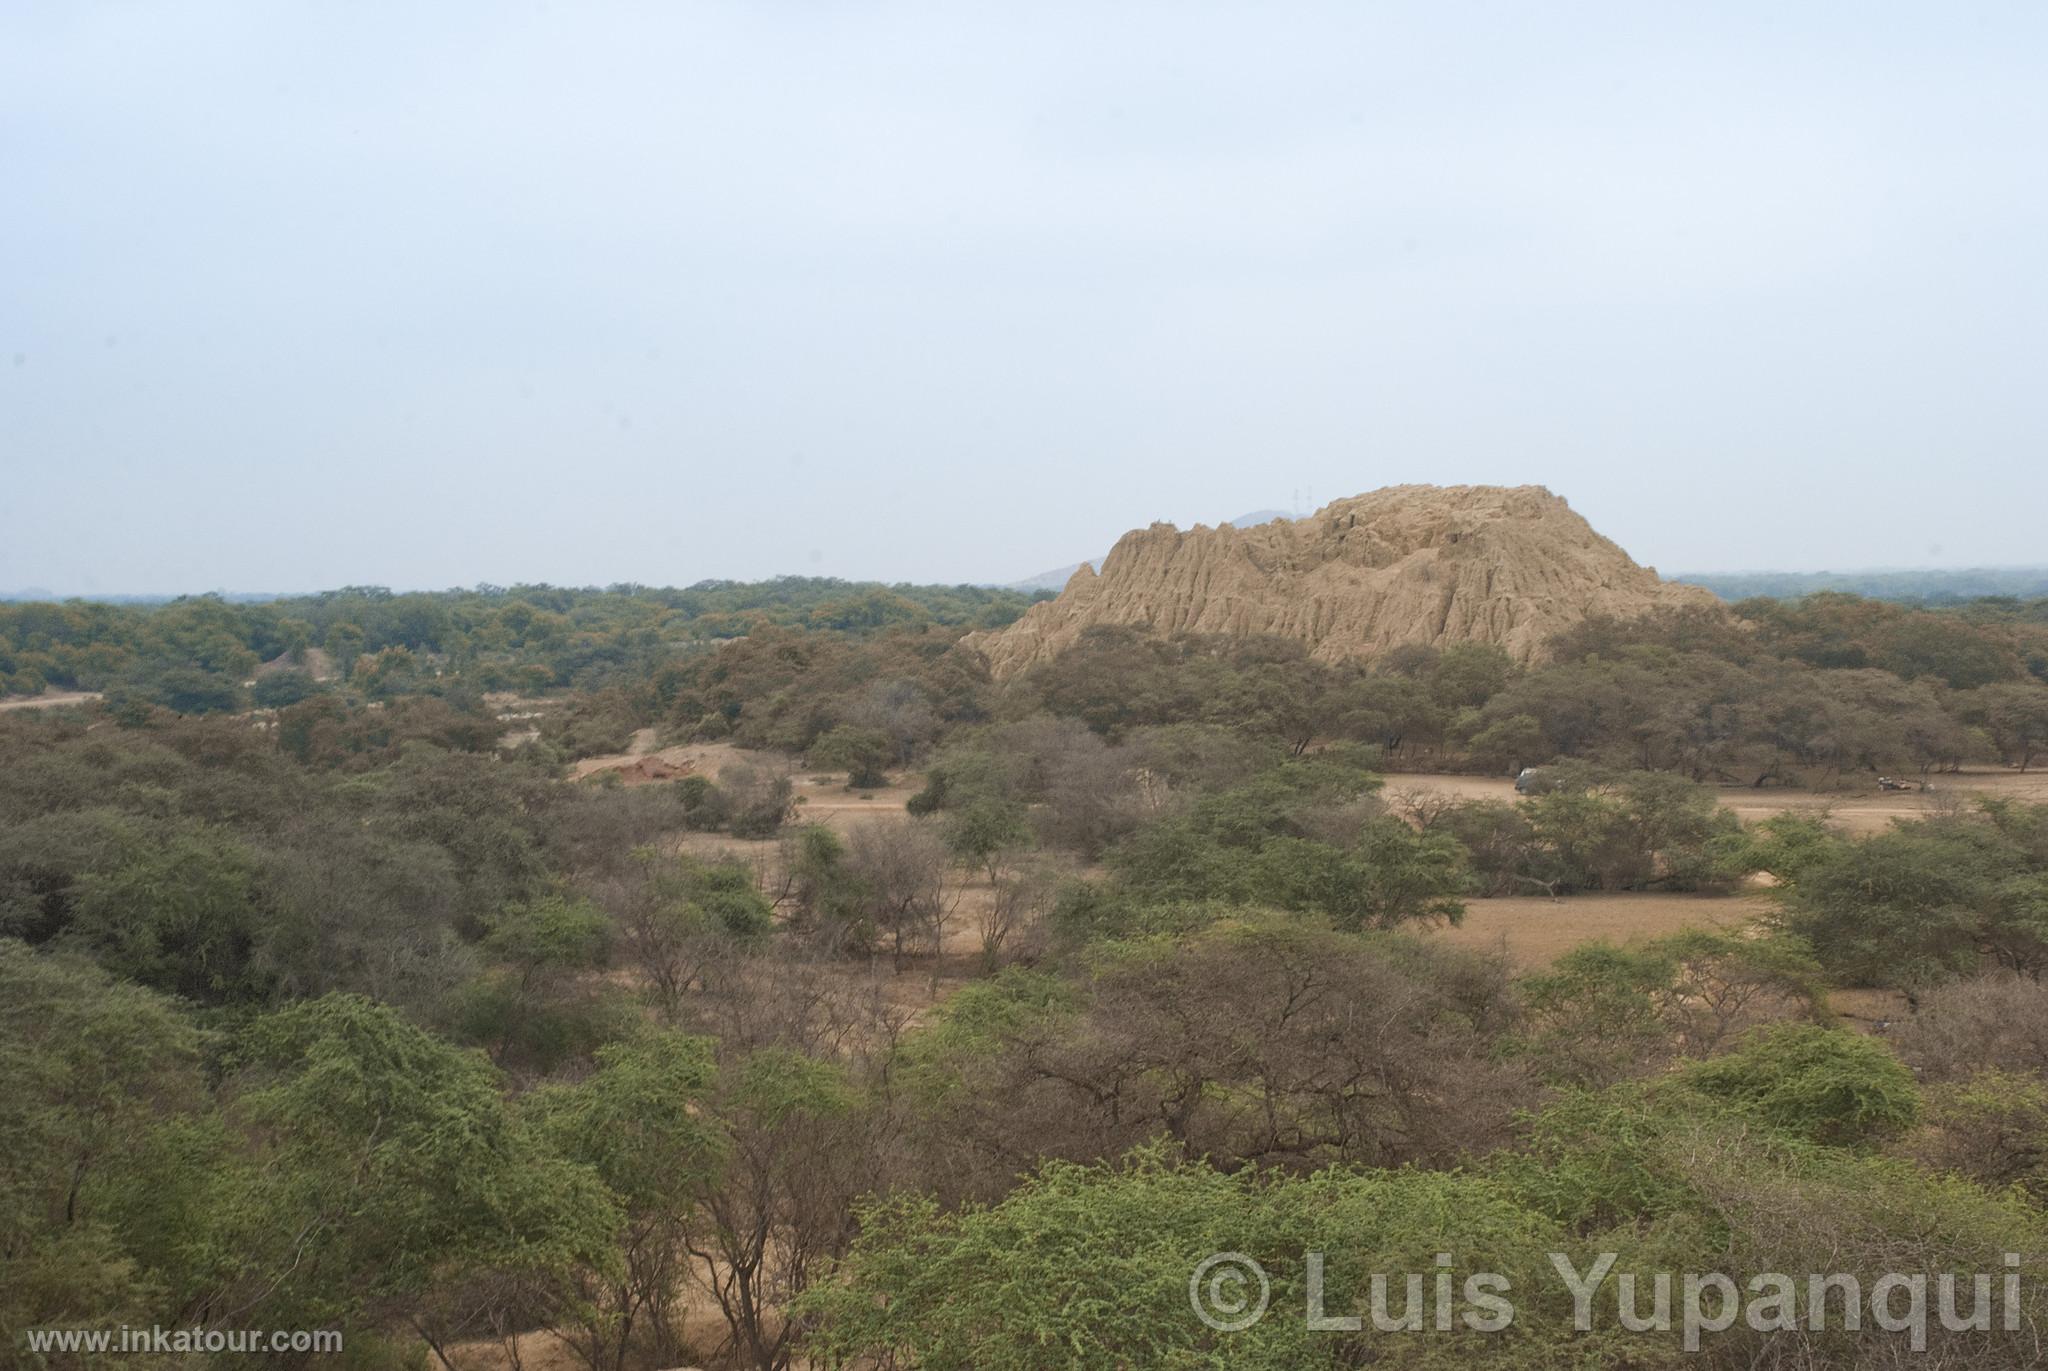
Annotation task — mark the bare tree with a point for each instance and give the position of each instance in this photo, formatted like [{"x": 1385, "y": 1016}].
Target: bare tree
[
  {"x": 902, "y": 711},
  {"x": 799, "y": 1042},
  {"x": 1263, "y": 1043},
  {"x": 762, "y": 797},
  {"x": 1091, "y": 794},
  {"x": 1018, "y": 901},
  {"x": 901, "y": 869},
  {"x": 799, "y": 1149},
  {"x": 1992, "y": 1022}
]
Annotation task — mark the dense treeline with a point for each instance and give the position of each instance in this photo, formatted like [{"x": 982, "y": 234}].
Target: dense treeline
[
  {"x": 1806, "y": 692},
  {"x": 1926, "y": 587},
  {"x": 193, "y": 654},
  {"x": 1810, "y": 693},
  {"x": 355, "y": 1013}
]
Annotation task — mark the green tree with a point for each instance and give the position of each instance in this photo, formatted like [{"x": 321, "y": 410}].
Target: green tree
[
  {"x": 638, "y": 1123},
  {"x": 1089, "y": 1267},
  {"x": 102, "y": 1210},
  {"x": 796, "y": 1153},
  {"x": 1991, "y": 1127},
  {"x": 172, "y": 909},
  {"x": 277, "y": 689},
  {"x": 679, "y": 918},
  {"x": 1405, "y": 877},
  {"x": 2015, "y": 714},
  {"x": 388, "y": 1172},
  {"x": 984, "y": 830},
  {"x": 1602, "y": 1012},
  {"x": 1827, "y": 1085},
  {"x": 193, "y": 690},
  {"x": 1906, "y": 907},
  {"x": 534, "y": 1008},
  {"x": 1393, "y": 875},
  {"x": 344, "y": 642},
  {"x": 295, "y": 636},
  {"x": 862, "y": 753}
]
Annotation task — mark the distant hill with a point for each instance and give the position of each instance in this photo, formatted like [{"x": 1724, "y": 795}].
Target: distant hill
[
  {"x": 1046, "y": 580},
  {"x": 1924, "y": 586}
]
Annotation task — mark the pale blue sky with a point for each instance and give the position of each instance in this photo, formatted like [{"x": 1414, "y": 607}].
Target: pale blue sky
[{"x": 295, "y": 295}]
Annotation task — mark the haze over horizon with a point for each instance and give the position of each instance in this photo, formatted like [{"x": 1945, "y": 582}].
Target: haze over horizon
[{"x": 433, "y": 296}]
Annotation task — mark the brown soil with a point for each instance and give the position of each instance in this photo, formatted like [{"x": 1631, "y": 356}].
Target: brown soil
[
  {"x": 315, "y": 663},
  {"x": 1533, "y": 931},
  {"x": 642, "y": 762},
  {"x": 1862, "y": 810},
  {"x": 1873, "y": 1011},
  {"x": 1530, "y": 931},
  {"x": 824, "y": 799},
  {"x": 52, "y": 699}
]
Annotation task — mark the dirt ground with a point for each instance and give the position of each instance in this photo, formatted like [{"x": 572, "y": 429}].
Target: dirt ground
[
  {"x": 1863, "y": 810},
  {"x": 824, "y": 799},
  {"x": 52, "y": 699},
  {"x": 1872, "y": 1011},
  {"x": 705, "y": 759},
  {"x": 822, "y": 796},
  {"x": 703, "y": 1331},
  {"x": 1532, "y": 930},
  {"x": 535, "y": 1352}
]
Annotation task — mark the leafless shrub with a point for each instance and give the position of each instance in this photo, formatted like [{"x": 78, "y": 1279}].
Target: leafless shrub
[
  {"x": 901, "y": 871},
  {"x": 761, "y": 795},
  {"x": 1010, "y": 919},
  {"x": 1265, "y": 1044},
  {"x": 1997, "y": 1021},
  {"x": 1425, "y": 809}
]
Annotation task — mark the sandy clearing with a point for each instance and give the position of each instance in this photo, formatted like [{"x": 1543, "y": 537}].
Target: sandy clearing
[
  {"x": 824, "y": 799},
  {"x": 1532, "y": 931},
  {"x": 52, "y": 699},
  {"x": 822, "y": 796},
  {"x": 1872, "y": 1011},
  {"x": 706, "y": 759},
  {"x": 1863, "y": 810}
]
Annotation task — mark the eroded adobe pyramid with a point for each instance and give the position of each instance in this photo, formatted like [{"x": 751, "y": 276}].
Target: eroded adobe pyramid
[{"x": 1407, "y": 564}]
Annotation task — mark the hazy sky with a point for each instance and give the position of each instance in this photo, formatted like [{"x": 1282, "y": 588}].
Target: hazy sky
[{"x": 294, "y": 295}]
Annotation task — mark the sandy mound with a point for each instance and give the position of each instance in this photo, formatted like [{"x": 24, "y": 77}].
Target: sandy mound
[
  {"x": 1408, "y": 564},
  {"x": 315, "y": 663}
]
